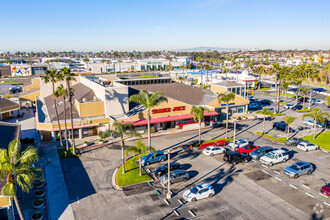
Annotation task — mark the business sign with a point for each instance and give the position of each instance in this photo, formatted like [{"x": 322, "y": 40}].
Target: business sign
[
  {"x": 163, "y": 110},
  {"x": 233, "y": 103},
  {"x": 82, "y": 123},
  {"x": 17, "y": 70}
]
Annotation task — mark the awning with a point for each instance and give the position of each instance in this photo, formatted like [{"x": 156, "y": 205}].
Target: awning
[{"x": 169, "y": 118}]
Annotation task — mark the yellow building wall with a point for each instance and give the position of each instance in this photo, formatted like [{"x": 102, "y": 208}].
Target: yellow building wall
[
  {"x": 11, "y": 108},
  {"x": 239, "y": 100},
  {"x": 83, "y": 73},
  {"x": 32, "y": 86},
  {"x": 44, "y": 126},
  {"x": 35, "y": 80},
  {"x": 218, "y": 89},
  {"x": 30, "y": 97},
  {"x": 89, "y": 109},
  {"x": 68, "y": 123},
  {"x": 77, "y": 105}
]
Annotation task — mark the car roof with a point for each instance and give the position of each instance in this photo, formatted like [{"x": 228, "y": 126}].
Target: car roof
[
  {"x": 278, "y": 152},
  {"x": 178, "y": 171},
  {"x": 205, "y": 185},
  {"x": 266, "y": 147},
  {"x": 301, "y": 163}
]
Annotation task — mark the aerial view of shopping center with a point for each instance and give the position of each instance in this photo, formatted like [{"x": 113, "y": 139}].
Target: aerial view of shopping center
[{"x": 215, "y": 109}]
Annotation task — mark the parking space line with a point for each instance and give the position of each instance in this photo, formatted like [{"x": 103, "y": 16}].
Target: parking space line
[
  {"x": 275, "y": 171},
  {"x": 176, "y": 212},
  {"x": 293, "y": 186},
  {"x": 192, "y": 213},
  {"x": 309, "y": 194},
  {"x": 323, "y": 195},
  {"x": 328, "y": 204},
  {"x": 278, "y": 178},
  {"x": 180, "y": 201},
  {"x": 266, "y": 172},
  {"x": 209, "y": 212},
  {"x": 305, "y": 186},
  {"x": 166, "y": 201},
  {"x": 264, "y": 166}
]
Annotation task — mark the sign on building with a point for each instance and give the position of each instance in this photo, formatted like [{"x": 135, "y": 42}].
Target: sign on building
[{"x": 21, "y": 70}]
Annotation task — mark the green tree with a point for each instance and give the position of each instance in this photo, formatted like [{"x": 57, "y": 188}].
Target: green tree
[
  {"x": 68, "y": 77},
  {"x": 207, "y": 67},
  {"x": 304, "y": 91},
  {"x": 201, "y": 66},
  {"x": 124, "y": 130},
  {"x": 285, "y": 86},
  {"x": 289, "y": 120},
  {"x": 62, "y": 92},
  {"x": 16, "y": 167},
  {"x": 140, "y": 149},
  {"x": 226, "y": 98},
  {"x": 318, "y": 115},
  {"x": 149, "y": 101},
  {"x": 198, "y": 116},
  {"x": 265, "y": 112},
  {"x": 52, "y": 76}
]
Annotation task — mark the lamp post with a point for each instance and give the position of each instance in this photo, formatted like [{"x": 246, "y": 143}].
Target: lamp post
[
  {"x": 168, "y": 195},
  {"x": 234, "y": 144}
]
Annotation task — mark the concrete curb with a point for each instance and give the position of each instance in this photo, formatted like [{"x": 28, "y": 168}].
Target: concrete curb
[
  {"x": 269, "y": 138},
  {"x": 114, "y": 181}
]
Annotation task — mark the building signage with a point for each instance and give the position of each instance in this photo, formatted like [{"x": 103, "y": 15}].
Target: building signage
[
  {"x": 174, "y": 109},
  {"x": 233, "y": 103},
  {"x": 82, "y": 123}
]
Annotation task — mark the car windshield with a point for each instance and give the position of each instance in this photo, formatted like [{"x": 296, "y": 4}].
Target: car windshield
[
  {"x": 328, "y": 184},
  {"x": 246, "y": 147},
  {"x": 207, "y": 148},
  {"x": 194, "y": 190},
  {"x": 258, "y": 151},
  {"x": 270, "y": 155},
  {"x": 294, "y": 166},
  {"x": 149, "y": 155}
]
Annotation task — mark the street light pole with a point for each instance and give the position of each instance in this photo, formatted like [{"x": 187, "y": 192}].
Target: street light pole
[{"x": 168, "y": 195}]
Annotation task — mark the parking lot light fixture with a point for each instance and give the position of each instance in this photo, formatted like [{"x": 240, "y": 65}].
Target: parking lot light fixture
[{"x": 168, "y": 195}]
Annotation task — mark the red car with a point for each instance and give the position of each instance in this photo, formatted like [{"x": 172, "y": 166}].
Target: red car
[
  {"x": 219, "y": 143},
  {"x": 247, "y": 149},
  {"x": 326, "y": 189}
]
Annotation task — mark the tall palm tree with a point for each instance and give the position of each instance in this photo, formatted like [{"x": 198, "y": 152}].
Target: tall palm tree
[
  {"x": 226, "y": 98},
  {"x": 201, "y": 66},
  {"x": 318, "y": 115},
  {"x": 68, "y": 78},
  {"x": 289, "y": 120},
  {"x": 53, "y": 76},
  {"x": 124, "y": 130},
  {"x": 207, "y": 67},
  {"x": 285, "y": 86},
  {"x": 149, "y": 101},
  {"x": 274, "y": 70},
  {"x": 183, "y": 66},
  {"x": 16, "y": 167},
  {"x": 198, "y": 116},
  {"x": 119, "y": 62},
  {"x": 140, "y": 149},
  {"x": 265, "y": 112},
  {"x": 304, "y": 91}
]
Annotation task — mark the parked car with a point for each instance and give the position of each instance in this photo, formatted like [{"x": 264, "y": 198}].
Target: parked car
[
  {"x": 266, "y": 102},
  {"x": 297, "y": 107},
  {"x": 274, "y": 157},
  {"x": 198, "y": 192},
  {"x": 238, "y": 143},
  {"x": 261, "y": 151},
  {"x": 247, "y": 149},
  {"x": 294, "y": 141},
  {"x": 15, "y": 89},
  {"x": 298, "y": 169},
  {"x": 251, "y": 98},
  {"x": 162, "y": 170},
  {"x": 253, "y": 105},
  {"x": 305, "y": 146},
  {"x": 315, "y": 101},
  {"x": 302, "y": 99},
  {"x": 219, "y": 143},
  {"x": 288, "y": 106},
  {"x": 279, "y": 100},
  {"x": 175, "y": 176},
  {"x": 153, "y": 158},
  {"x": 292, "y": 91},
  {"x": 282, "y": 126},
  {"x": 235, "y": 157},
  {"x": 326, "y": 189},
  {"x": 311, "y": 123},
  {"x": 213, "y": 150},
  {"x": 318, "y": 90}
]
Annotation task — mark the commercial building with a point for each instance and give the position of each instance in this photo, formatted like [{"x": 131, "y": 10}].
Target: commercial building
[
  {"x": 99, "y": 101},
  {"x": 8, "y": 108}
]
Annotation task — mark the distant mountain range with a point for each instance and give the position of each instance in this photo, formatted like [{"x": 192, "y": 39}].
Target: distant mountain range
[{"x": 204, "y": 49}]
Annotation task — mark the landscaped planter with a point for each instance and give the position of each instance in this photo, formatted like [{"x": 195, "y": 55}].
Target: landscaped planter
[
  {"x": 38, "y": 184},
  {"x": 38, "y": 204},
  {"x": 39, "y": 194},
  {"x": 85, "y": 144},
  {"x": 37, "y": 216},
  {"x": 101, "y": 141}
]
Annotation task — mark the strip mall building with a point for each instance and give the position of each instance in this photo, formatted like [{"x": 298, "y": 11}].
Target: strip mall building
[{"x": 101, "y": 100}]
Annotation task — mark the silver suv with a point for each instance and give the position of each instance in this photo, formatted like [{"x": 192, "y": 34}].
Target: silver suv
[
  {"x": 176, "y": 176},
  {"x": 298, "y": 169}
]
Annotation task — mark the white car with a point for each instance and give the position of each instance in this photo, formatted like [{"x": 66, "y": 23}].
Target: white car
[
  {"x": 279, "y": 100},
  {"x": 213, "y": 150},
  {"x": 198, "y": 192},
  {"x": 305, "y": 146},
  {"x": 277, "y": 156},
  {"x": 288, "y": 106},
  {"x": 238, "y": 143},
  {"x": 311, "y": 123},
  {"x": 316, "y": 101}
]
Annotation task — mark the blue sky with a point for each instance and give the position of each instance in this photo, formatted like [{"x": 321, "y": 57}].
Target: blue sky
[{"x": 96, "y": 25}]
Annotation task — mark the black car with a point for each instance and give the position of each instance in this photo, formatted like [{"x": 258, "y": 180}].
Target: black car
[
  {"x": 297, "y": 107},
  {"x": 294, "y": 141},
  {"x": 15, "y": 89},
  {"x": 282, "y": 126},
  {"x": 261, "y": 151},
  {"x": 235, "y": 157},
  {"x": 302, "y": 99},
  {"x": 317, "y": 90},
  {"x": 162, "y": 170},
  {"x": 266, "y": 102}
]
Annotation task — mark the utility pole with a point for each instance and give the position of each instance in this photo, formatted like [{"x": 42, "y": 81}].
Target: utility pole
[{"x": 168, "y": 195}]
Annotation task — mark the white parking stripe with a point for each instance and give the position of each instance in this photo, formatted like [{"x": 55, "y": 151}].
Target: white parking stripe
[
  {"x": 305, "y": 186},
  {"x": 293, "y": 186},
  {"x": 180, "y": 201},
  {"x": 176, "y": 212},
  {"x": 264, "y": 165},
  {"x": 323, "y": 195},
  {"x": 275, "y": 171},
  {"x": 278, "y": 178},
  {"x": 266, "y": 172},
  {"x": 310, "y": 195},
  {"x": 328, "y": 204},
  {"x": 191, "y": 213}
]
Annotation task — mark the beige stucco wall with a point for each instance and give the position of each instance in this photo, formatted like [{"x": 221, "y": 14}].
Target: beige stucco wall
[
  {"x": 239, "y": 100},
  {"x": 91, "y": 109},
  {"x": 30, "y": 97},
  {"x": 218, "y": 89}
]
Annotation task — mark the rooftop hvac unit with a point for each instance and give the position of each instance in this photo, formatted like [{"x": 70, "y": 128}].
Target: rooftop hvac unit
[
  {"x": 94, "y": 99},
  {"x": 84, "y": 100}
]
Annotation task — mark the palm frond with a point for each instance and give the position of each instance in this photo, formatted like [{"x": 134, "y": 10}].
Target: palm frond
[
  {"x": 8, "y": 189},
  {"x": 24, "y": 181},
  {"x": 29, "y": 156},
  {"x": 14, "y": 149},
  {"x": 133, "y": 150}
]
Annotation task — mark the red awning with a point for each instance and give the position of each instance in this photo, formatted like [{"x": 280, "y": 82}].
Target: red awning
[{"x": 169, "y": 118}]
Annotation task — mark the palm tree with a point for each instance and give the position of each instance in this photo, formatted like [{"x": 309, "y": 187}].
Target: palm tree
[
  {"x": 68, "y": 78},
  {"x": 148, "y": 101},
  {"x": 121, "y": 130},
  {"x": 62, "y": 92},
  {"x": 198, "y": 116},
  {"x": 260, "y": 71},
  {"x": 226, "y": 98},
  {"x": 119, "y": 62},
  {"x": 285, "y": 86},
  {"x": 265, "y": 112},
  {"x": 318, "y": 115},
  {"x": 140, "y": 149},
  {"x": 207, "y": 67},
  {"x": 183, "y": 66},
  {"x": 53, "y": 76},
  {"x": 289, "y": 120},
  {"x": 304, "y": 91},
  {"x": 201, "y": 66},
  {"x": 16, "y": 167},
  {"x": 225, "y": 71}
]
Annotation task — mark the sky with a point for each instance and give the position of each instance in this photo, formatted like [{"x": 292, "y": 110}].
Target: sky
[{"x": 125, "y": 25}]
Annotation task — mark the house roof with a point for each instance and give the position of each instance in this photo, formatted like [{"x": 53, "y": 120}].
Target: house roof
[
  {"x": 5, "y": 103},
  {"x": 9, "y": 132},
  {"x": 228, "y": 84},
  {"x": 28, "y": 92},
  {"x": 188, "y": 94}
]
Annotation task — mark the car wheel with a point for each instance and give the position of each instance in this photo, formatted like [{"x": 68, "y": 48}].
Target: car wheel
[
  {"x": 295, "y": 176},
  {"x": 270, "y": 164},
  {"x": 309, "y": 172},
  {"x": 306, "y": 150},
  {"x": 234, "y": 163},
  {"x": 162, "y": 159},
  {"x": 193, "y": 199},
  {"x": 211, "y": 194},
  {"x": 148, "y": 163},
  {"x": 246, "y": 160},
  {"x": 211, "y": 154},
  {"x": 185, "y": 179},
  {"x": 284, "y": 160}
]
